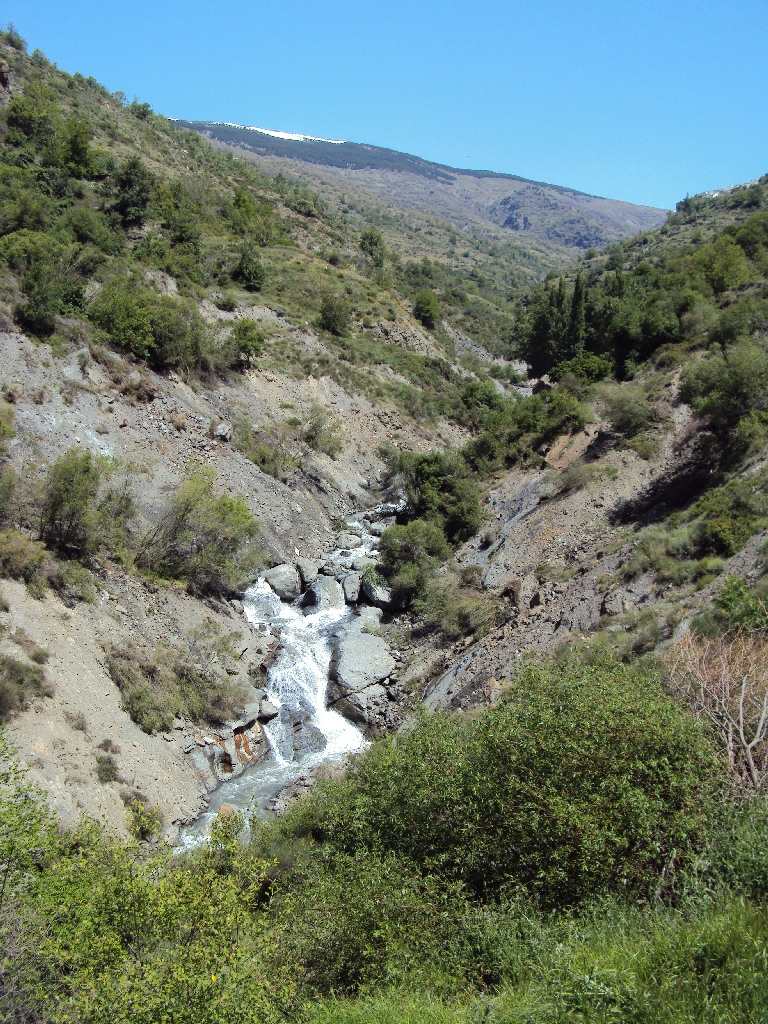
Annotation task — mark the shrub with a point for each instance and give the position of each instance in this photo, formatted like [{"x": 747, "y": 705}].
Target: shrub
[
  {"x": 205, "y": 540},
  {"x": 584, "y": 781},
  {"x": 335, "y": 315},
  {"x": 19, "y": 684},
  {"x": 163, "y": 330},
  {"x": 410, "y": 554},
  {"x": 426, "y": 308},
  {"x": 439, "y": 488},
  {"x": 628, "y": 409},
  {"x": 577, "y": 476},
  {"x": 67, "y": 514},
  {"x": 372, "y": 244},
  {"x": 249, "y": 269},
  {"x": 106, "y": 768},
  {"x": 323, "y": 432},
  {"x": 134, "y": 187}
]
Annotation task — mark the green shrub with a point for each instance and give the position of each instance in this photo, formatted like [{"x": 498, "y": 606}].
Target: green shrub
[
  {"x": 456, "y": 609},
  {"x": 577, "y": 476},
  {"x": 335, "y": 315},
  {"x": 249, "y": 269},
  {"x": 439, "y": 488},
  {"x": 205, "y": 540},
  {"x": 163, "y": 330},
  {"x": 134, "y": 186},
  {"x": 372, "y": 244},
  {"x": 19, "y": 684},
  {"x": 67, "y": 514},
  {"x": 323, "y": 432},
  {"x": 628, "y": 409},
  {"x": 584, "y": 781},
  {"x": 410, "y": 554},
  {"x": 426, "y": 308},
  {"x": 106, "y": 768}
]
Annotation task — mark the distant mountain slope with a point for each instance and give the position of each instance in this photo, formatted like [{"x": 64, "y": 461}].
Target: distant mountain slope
[{"x": 550, "y": 213}]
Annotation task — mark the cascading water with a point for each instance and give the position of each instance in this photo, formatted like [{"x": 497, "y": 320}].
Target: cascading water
[{"x": 305, "y": 733}]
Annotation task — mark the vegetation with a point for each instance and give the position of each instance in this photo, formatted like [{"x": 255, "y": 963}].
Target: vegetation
[{"x": 206, "y": 541}]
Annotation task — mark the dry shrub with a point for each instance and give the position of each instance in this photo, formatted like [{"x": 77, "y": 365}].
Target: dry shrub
[{"x": 724, "y": 680}]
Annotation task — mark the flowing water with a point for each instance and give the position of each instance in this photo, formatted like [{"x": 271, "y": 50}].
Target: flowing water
[{"x": 305, "y": 732}]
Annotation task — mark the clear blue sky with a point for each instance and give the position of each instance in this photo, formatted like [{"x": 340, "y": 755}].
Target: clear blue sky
[{"x": 644, "y": 101}]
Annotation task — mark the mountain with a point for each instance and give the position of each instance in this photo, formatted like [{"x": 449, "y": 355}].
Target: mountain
[{"x": 487, "y": 199}]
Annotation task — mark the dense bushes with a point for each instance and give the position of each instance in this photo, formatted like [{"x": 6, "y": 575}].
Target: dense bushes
[
  {"x": 162, "y": 330},
  {"x": 580, "y": 783},
  {"x": 19, "y": 683}
]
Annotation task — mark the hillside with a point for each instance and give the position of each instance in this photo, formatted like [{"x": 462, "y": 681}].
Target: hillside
[
  {"x": 382, "y": 604},
  {"x": 481, "y": 200}
]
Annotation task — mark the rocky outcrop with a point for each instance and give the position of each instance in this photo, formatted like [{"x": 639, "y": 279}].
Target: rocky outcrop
[{"x": 284, "y": 580}]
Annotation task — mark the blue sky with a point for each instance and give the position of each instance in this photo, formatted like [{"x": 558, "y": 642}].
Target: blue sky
[{"x": 643, "y": 101}]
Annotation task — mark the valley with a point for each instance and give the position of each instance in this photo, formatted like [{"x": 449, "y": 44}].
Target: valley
[{"x": 382, "y": 582}]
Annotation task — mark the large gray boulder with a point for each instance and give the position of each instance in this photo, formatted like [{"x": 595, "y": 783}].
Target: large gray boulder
[
  {"x": 284, "y": 580},
  {"x": 324, "y": 594},
  {"x": 308, "y": 570},
  {"x": 348, "y": 540},
  {"x": 379, "y": 595},
  {"x": 350, "y": 584},
  {"x": 359, "y": 660}
]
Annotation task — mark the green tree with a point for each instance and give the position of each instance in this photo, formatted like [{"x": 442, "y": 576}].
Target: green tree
[
  {"x": 335, "y": 315},
  {"x": 206, "y": 540},
  {"x": 426, "y": 308},
  {"x": 249, "y": 269},
  {"x": 372, "y": 244},
  {"x": 134, "y": 187},
  {"x": 67, "y": 513}
]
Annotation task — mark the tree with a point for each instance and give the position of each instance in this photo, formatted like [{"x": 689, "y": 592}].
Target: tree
[
  {"x": 577, "y": 327},
  {"x": 134, "y": 188},
  {"x": 372, "y": 244},
  {"x": 426, "y": 308},
  {"x": 725, "y": 683},
  {"x": 205, "y": 540},
  {"x": 249, "y": 269},
  {"x": 335, "y": 315},
  {"x": 67, "y": 520}
]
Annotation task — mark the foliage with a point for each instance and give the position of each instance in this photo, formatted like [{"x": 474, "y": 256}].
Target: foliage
[
  {"x": 80, "y": 511},
  {"x": 335, "y": 315},
  {"x": 134, "y": 188},
  {"x": 204, "y": 540},
  {"x": 372, "y": 244},
  {"x": 19, "y": 683},
  {"x": 158, "y": 328},
  {"x": 582, "y": 782},
  {"x": 249, "y": 269},
  {"x": 411, "y": 553},
  {"x": 426, "y": 308},
  {"x": 323, "y": 432},
  {"x": 439, "y": 488}
]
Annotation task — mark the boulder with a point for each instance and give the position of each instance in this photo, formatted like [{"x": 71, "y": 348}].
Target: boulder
[
  {"x": 350, "y": 584},
  {"x": 361, "y": 563},
  {"x": 325, "y": 593},
  {"x": 378, "y": 528},
  {"x": 348, "y": 540},
  {"x": 362, "y": 707},
  {"x": 284, "y": 580},
  {"x": 267, "y": 711},
  {"x": 379, "y": 595},
  {"x": 223, "y": 432},
  {"x": 358, "y": 660},
  {"x": 308, "y": 570}
]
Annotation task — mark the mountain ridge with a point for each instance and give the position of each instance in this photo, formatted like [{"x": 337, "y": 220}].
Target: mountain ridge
[{"x": 557, "y": 214}]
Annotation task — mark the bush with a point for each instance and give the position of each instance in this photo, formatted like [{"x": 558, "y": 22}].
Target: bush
[
  {"x": 67, "y": 514},
  {"x": 204, "y": 540},
  {"x": 106, "y": 768},
  {"x": 249, "y": 269},
  {"x": 426, "y": 308},
  {"x": 372, "y": 244},
  {"x": 323, "y": 432},
  {"x": 134, "y": 187},
  {"x": 584, "y": 781},
  {"x": 335, "y": 315},
  {"x": 628, "y": 410},
  {"x": 410, "y": 555},
  {"x": 19, "y": 684},
  {"x": 158, "y": 328}
]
